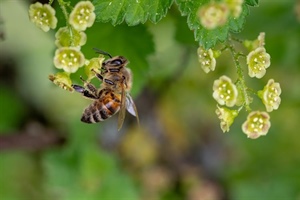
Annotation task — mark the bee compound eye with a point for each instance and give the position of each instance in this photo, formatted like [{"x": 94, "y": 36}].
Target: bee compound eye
[{"x": 117, "y": 62}]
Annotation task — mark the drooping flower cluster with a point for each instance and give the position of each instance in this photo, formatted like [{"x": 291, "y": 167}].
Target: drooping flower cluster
[
  {"x": 229, "y": 94},
  {"x": 69, "y": 39},
  {"x": 216, "y": 14}
]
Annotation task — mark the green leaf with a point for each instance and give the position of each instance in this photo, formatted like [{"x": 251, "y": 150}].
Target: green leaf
[
  {"x": 135, "y": 43},
  {"x": 132, "y": 11},
  {"x": 252, "y": 2},
  {"x": 209, "y": 38}
]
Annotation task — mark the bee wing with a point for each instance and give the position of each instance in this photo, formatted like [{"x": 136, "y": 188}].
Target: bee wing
[
  {"x": 122, "y": 111},
  {"x": 131, "y": 108}
]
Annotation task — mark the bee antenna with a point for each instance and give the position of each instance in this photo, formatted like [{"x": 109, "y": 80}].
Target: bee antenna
[{"x": 101, "y": 52}]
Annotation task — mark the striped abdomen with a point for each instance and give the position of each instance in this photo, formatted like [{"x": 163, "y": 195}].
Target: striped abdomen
[{"x": 101, "y": 109}]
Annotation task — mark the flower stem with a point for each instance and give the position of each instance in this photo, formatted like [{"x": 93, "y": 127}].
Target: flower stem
[
  {"x": 241, "y": 78},
  {"x": 62, "y": 5}
]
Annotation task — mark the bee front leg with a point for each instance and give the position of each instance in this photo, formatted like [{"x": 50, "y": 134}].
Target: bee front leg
[
  {"x": 86, "y": 93},
  {"x": 89, "y": 92},
  {"x": 89, "y": 86}
]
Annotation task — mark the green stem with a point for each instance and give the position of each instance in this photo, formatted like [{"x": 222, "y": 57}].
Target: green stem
[
  {"x": 62, "y": 5},
  {"x": 241, "y": 77}
]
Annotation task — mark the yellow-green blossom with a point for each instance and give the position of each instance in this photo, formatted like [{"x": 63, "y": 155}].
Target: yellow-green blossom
[
  {"x": 270, "y": 95},
  {"x": 93, "y": 65},
  {"x": 258, "y": 61},
  {"x": 213, "y": 15},
  {"x": 43, "y": 16},
  {"x": 67, "y": 38},
  {"x": 235, "y": 7},
  {"x": 257, "y": 124},
  {"x": 225, "y": 92},
  {"x": 226, "y": 116},
  {"x": 206, "y": 59},
  {"x": 82, "y": 16},
  {"x": 69, "y": 59},
  {"x": 62, "y": 80}
]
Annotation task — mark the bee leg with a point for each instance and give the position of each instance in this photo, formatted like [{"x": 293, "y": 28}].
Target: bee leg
[
  {"x": 86, "y": 93},
  {"x": 99, "y": 76},
  {"x": 92, "y": 89}
]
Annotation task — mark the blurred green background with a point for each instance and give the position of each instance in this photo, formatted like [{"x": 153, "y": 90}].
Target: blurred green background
[{"x": 179, "y": 152}]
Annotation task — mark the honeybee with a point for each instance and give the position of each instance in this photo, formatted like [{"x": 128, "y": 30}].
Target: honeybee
[{"x": 113, "y": 95}]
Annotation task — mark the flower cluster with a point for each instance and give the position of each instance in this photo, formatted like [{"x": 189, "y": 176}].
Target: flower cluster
[
  {"x": 229, "y": 94},
  {"x": 69, "y": 39},
  {"x": 216, "y": 14}
]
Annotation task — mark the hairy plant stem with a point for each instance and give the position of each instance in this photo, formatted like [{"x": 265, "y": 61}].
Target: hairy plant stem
[
  {"x": 241, "y": 78},
  {"x": 62, "y": 5}
]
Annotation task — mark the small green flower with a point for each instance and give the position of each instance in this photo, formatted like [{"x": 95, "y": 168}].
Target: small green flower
[
  {"x": 213, "y": 15},
  {"x": 226, "y": 116},
  {"x": 258, "y": 61},
  {"x": 270, "y": 95},
  {"x": 206, "y": 59},
  {"x": 43, "y": 16},
  {"x": 225, "y": 92},
  {"x": 93, "y": 65},
  {"x": 257, "y": 124},
  {"x": 65, "y": 39},
  {"x": 62, "y": 79},
  {"x": 82, "y": 16},
  {"x": 235, "y": 7},
  {"x": 254, "y": 44},
  {"x": 69, "y": 59}
]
